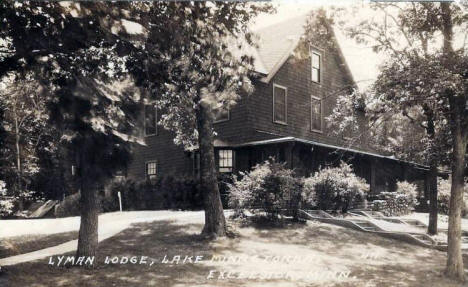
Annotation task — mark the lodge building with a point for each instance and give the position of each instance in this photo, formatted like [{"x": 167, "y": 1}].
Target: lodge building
[{"x": 285, "y": 117}]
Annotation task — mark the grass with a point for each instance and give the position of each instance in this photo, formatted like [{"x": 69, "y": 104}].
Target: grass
[
  {"x": 10, "y": 246},
  {"x": 370, "y": 259}
]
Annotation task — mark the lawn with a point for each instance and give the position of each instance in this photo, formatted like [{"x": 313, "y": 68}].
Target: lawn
[
  {"x": 312, "y": 254},
  {"x": 15, "y": 245}
]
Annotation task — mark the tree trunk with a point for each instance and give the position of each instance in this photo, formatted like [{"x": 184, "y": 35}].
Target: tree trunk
[
  {"x": 18, "y": 165},
  {"x": 88, "y": 235},
  {"x": 89, "y": 211},
  {"x": 432, "y": 182},
  {"x": 215, "y": 223},
  {"x": 454, "y": 267}
]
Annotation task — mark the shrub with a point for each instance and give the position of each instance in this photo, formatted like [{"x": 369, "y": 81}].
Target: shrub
[
  {"x": 163, "y": 193},
  {"x": 399, "y": 202},
  {"x": 269, "y": 187},
  {"x": 3, "y": 189},
  {"x": 7, "y": 206},
  {"x": 443, "y": 196},
  {"x": 334, "y": 188},
  {"x": 70, "y": 206}
]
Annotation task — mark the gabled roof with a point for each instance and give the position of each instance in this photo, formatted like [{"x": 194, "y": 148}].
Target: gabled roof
[{"x": 278, "y": 41}]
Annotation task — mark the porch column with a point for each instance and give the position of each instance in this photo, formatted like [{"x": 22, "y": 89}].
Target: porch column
[
  {"x": 289, "y": 155},
  {"x": 373, "y": 166}
]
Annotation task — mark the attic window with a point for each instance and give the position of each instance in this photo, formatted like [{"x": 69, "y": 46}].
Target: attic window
[{"x": 316, "y": 67}]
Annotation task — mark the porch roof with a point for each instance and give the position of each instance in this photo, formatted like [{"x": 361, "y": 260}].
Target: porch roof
[{"x": 330, "y": 146}]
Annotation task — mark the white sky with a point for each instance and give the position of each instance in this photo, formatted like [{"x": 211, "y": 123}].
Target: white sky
[{"x": 362, "y": 61}]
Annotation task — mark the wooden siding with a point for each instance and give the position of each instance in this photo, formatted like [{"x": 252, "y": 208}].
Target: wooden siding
[{"x": 251, "y": 119}]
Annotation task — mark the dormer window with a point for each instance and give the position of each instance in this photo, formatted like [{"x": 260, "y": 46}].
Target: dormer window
[{"x": 316, "y": 59}]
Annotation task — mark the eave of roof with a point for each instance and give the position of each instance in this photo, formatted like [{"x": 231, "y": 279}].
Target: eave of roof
[
  {"x": 280, "y": 63},
  {"x": 294, "y": 139}
]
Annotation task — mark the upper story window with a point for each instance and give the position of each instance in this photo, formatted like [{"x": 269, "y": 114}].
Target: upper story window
[
  {"x": 280, "y": 104},
  {"x": 151, "y": 121},
  {"x": 225, "y": 160},
  {"x": 316, "y": 67},
  {"x": 151, "y": 169},
  {"x": 315, "y": 114},
  {"x": 221, "y": 115}
]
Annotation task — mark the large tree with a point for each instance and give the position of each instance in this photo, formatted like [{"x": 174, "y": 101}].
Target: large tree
[
  {"x": 71, "y": 50},
  {"x": 193, "y": 61},
  {"x": 425, "y": 81}
]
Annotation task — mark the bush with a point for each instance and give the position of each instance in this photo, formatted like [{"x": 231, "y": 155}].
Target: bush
[
  {"x": 269, "y": 187},
  {"x": 70, "y": 206},
  {"x": 334, "y": 188},
  {"x": 163, "y": 193},
  {"x": 399, "y": 202},
  {"x": 443, "y": 196},
  {"x": 3, "y": 189},
  {"x": 7, "y": 206}
]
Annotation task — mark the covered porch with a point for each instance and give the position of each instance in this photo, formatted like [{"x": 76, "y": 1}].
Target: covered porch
[{"x": 306, "y": 157}]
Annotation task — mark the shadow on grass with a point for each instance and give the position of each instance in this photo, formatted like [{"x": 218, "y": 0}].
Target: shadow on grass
[
  {"x": 372, "y": 259},
  {"x": 400, "y": 264},
  {"x": 11, "y": 246},
  {"x": 154, "y": 240}
]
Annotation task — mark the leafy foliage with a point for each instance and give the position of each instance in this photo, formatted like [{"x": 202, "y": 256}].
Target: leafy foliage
[
  {"x": 269, "y": 187},
  {"x": 206, "y": 61},
  {"x": 80, "y": 66},
  {"x": 167, "y": 192},
  {"x": 26, "y": 131},
  {"x": 407, "y": 106},
  {"x": 69, "y": 206},
  {"x": 7, "y": 206},
  {"x": 399, "y": 202},
  {"x": 443, "y": 197},
  {"x": 334, "y": 188}
]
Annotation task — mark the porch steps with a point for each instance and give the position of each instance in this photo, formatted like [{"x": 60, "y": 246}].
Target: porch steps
[
  {"x": 424, "y": 238},
  {"x": 364, "y": 223},
  {"x": 415, "y": 222},
  {"x": 380, "y": 216}
]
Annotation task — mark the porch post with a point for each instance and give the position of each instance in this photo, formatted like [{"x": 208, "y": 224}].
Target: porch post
[
  {"x": 373, "y": 166},
  {"x": 289, "y": 154}
]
